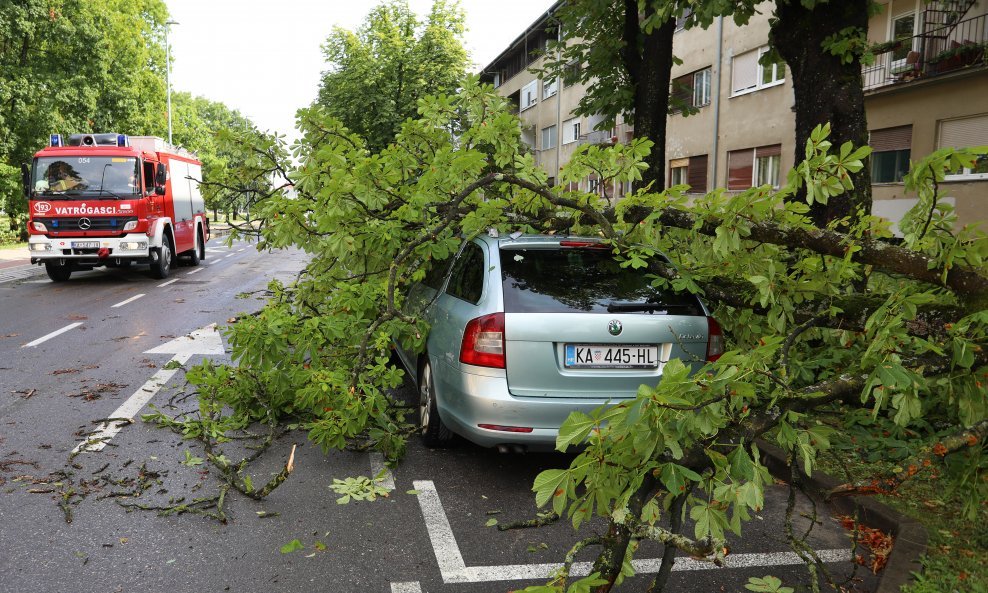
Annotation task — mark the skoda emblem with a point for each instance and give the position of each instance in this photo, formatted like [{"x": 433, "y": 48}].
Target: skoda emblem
[
  {"x": 614, "y": 327},
  {"x": 85, "y": 223}
]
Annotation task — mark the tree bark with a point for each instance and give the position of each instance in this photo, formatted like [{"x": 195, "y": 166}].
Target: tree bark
[
  {"x": 648, "y": 60},
  {"x": 826, "y": 88}
]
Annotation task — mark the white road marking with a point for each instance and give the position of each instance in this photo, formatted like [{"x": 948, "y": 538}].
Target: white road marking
[
  {"x": 202, "y": 341},
  {"x": 97, "y": 440},
  {"x": 413, "y": 587},
  {"x": 241, "y": 249},
  {"x": 379, "y": 468},
  {"x": 164, "y": 284},
  {"x": 231, "y": 255},
  {"x": 454, "y": 570},
  {"x": 53, "y": 334},
  {"x": 130, "y": 300},
  {"x": 195, "y": 271}
]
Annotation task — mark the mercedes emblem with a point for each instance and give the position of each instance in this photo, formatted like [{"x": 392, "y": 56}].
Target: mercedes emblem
[{"x": 85, "y": 224}]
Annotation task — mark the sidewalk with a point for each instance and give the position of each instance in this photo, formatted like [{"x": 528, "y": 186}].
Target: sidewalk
[{"x": 12, "y": 257}]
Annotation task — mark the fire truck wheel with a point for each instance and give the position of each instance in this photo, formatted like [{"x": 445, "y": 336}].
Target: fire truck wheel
[
  {"x": 198, "y": 252},
  {"x": 163, "y": 265},
  {"x": 58, "y": 273}
]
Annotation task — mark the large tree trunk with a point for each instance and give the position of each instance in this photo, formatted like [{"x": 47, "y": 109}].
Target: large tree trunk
[
  {"x": 648, "y": 58},
  {"x": 826, "y": 88}
]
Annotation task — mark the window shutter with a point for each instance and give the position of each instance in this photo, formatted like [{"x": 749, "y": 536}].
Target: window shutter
[
  {"x": 697, "y": 173},
  {"x": 964, "y": 133},
  {"x": 773, "y": 150},
  {"x": 740, "y": 167},
  {"x": 744, "y": 73},
  {"x": 898, "y": 138},
  {"x": 674, "y": 163}
]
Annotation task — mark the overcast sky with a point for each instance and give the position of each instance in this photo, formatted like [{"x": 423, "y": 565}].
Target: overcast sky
[{"x": 263, "y": 57}]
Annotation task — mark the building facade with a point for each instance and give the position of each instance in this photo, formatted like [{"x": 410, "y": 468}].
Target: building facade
[{"x": 927, "y": 89}]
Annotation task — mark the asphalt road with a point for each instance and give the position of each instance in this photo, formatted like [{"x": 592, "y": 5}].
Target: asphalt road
[{"x": 429, "y": 534}]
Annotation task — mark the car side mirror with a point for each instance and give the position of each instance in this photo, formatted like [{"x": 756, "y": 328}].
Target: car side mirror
[
  {"x": 159, "y": 190},
  {"x": 26, "y": 180}
]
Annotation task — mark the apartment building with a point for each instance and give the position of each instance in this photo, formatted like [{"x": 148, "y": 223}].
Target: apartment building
[{"x": 927, "y": 89}]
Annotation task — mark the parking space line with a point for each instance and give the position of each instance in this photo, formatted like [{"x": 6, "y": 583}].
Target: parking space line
[
  {"x": 130, "y": 300},
  {"x": 451, "y": 565},
  {"x": 53, "y": 334},
  {"x": 378, "y": 468},
  {"x": 164, "y": 284},
  {"x": 413, "y": 587},
  {"x": 454, "y": 570}
]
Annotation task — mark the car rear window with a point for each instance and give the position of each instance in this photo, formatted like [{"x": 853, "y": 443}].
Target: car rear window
[{"x": 567, "y": 280}]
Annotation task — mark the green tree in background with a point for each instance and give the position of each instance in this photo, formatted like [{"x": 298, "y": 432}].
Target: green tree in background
[
  {"x": 377, "y": 75},
  {"x": 71, "y": 66}
]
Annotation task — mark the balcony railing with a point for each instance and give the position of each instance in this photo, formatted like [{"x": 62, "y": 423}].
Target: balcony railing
[
  {"x": 941, "y": 51},
  {"x": 597, "y": 137}
]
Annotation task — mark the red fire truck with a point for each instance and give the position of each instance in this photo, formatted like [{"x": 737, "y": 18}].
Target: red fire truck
[{"x": 114, "y": 200}]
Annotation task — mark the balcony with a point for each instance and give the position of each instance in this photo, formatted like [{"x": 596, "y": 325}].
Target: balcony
[
  {"x": 944, "y": 50},
  {"x": 597, "y": 138}
]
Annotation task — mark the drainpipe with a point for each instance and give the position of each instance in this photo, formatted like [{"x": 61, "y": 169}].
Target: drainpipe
[
  {"x": 720, "y": 57},
  {"x": 559, "y": 104}
]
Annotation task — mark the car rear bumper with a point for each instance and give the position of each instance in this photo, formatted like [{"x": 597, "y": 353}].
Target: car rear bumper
[{"x": 467, "y": 400}]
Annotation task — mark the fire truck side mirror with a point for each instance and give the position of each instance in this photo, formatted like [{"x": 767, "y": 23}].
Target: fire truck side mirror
[
  {"x": 159, "y": 190},
  {"x": 26, "y": 180},
  {"x": 161, "y": 177}
]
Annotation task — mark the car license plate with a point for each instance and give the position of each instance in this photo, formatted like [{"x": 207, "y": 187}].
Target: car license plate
[
  {"x": 601, "y": 356},
  {"x": 85, "y": 245}
]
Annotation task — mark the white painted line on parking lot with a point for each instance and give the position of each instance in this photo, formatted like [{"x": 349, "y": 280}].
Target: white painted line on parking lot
[
  {"x": 130, "y": 300},
  {"x": 195, "y": 271},
  {"x": 413, "y": 587},
  {"x": 378, "y": 468},
  {"x": 451, "y": 565},
  {"x": 53, "y": 334},
  {"x": 454, "y": 570},
  {"x": 164, "y": 284},
  {"x": 202, "y": 341}
]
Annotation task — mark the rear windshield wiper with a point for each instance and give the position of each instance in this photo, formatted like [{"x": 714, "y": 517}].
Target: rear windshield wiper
[{"x": 636, "y": 307}]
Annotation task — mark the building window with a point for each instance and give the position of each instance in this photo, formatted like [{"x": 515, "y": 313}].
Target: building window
[
  {"x": 572, "y": 73},
  {"x": 548, "y": 137},
  {"x": 691, "y": 90},
  {"x": 593, "y": 185},
  {"x": 549, "y": 88},
  {"x": 890, "y": 153},
  {"x": 754, "y": 167},
  {"x": 748, "y": 75},
  {"x": 529, "y": 94},
  {"x": 683, "y": 19},
  {"x": 903, "y": 27},
  {"x": 571, "y": 130},
  {"x": 690, "y": 171},
  {"x": 965, "y": 133}
]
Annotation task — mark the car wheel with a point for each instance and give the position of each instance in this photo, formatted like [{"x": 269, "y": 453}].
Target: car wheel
[
  {"x": 58, "y": 272},
  {"x": 162, "y": 267},
  {"x": 434, "y": 432}
]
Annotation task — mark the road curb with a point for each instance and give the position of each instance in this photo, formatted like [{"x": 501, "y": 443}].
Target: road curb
[{"x": 911, "y": 537}]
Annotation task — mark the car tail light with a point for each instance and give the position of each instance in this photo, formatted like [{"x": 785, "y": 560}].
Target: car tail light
[
  {"x": 715, "y": 340},
  {"x": 483, "y": 342}
]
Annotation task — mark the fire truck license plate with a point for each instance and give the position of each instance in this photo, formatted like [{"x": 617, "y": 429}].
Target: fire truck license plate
[
  {"x": 85, "y": 245},
  {"x": 602, "y": 356}
]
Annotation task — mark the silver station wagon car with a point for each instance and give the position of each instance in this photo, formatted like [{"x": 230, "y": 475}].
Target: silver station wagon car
[{"x": 527, "y": 329}]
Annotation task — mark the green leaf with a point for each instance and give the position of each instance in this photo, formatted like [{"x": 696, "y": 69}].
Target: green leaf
[{"x": 292, "y": 546}]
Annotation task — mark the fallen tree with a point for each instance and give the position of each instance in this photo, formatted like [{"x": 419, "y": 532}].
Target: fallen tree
[{"x": 828, "y": 328}]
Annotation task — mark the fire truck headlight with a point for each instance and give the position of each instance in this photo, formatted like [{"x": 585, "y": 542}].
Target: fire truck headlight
[
  {"x": 40, "y": 227},
  {"x": 134, "y": 245},
  {"x": 130, "y": 225},
  {"x": 40, "y": 247}
]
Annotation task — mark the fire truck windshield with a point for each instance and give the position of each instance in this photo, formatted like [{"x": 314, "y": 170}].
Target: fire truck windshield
[{"x": 65, "y": 177}]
